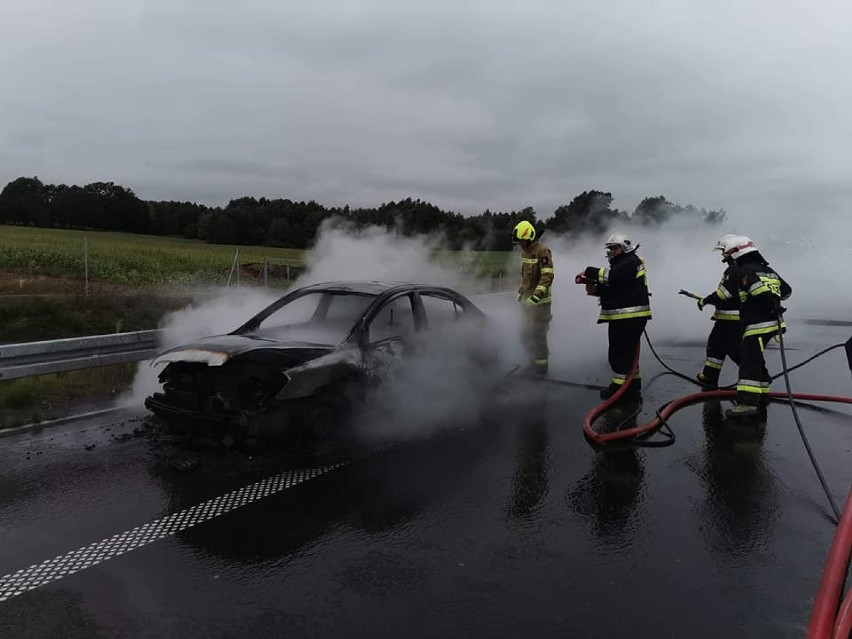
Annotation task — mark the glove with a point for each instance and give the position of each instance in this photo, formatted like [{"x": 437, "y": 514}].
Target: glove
[{"x": 701, "y": 305}]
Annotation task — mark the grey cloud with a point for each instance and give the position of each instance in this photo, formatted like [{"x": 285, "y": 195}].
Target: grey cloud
[{"x": 468, "y": 105}]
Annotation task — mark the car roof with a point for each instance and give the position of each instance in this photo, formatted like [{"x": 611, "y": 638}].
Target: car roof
[{"x": 364, "y": 287}]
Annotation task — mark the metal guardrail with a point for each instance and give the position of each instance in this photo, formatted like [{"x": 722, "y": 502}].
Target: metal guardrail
[{"x": 56, "y": 356}]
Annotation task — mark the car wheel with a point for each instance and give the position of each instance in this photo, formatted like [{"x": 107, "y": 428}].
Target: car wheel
[
  {"x": 320, "y": 421},
  {"x": 324, "y": 418}
]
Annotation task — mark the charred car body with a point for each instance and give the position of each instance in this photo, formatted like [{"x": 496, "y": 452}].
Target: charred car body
[{"x": 302, "y": 363}]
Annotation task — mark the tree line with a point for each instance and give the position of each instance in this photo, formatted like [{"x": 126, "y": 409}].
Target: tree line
[{"x": 287, "y": 223}]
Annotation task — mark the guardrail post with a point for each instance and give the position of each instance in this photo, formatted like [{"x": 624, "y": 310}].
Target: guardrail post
[{"x": 86, "y": 263}]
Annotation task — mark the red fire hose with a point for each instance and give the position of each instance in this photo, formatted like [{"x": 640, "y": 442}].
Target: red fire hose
[
  {"x": 843, "y": 625},
  {"x": 671, "y": 408},
  {"x": 826, "y": 621},
  {"x": 676, "y": 405}
]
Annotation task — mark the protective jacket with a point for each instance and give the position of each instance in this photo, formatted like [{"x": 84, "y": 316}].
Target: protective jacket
[
  {"x": 536, "y": 273},
  {"x": 727, "y": 307},
  {"x": 759, "y": 290},
  {"x": 622, "y": 287}
]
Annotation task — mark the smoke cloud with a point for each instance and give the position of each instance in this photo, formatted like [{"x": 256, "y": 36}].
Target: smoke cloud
[
  {"x": 438, "y": 385},
  {"x": 343, "y": 253},
  {"x": 221, "y": 313}
]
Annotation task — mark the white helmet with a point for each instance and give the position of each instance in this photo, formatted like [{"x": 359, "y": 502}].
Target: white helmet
[
  {"x": 735, "y": 246},
  {"x": 721, "y": 243},
  {"x": 620, "y": 239}
]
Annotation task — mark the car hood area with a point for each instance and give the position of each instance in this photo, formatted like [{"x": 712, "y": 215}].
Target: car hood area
[{"x": 215, "y": 351}]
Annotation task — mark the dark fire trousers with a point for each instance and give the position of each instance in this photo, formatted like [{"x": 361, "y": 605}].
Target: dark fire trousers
[
  {"x": 724, "y": 341},
  {"x": 624, "y": 336},
  {"x": 754, "y": 382}
]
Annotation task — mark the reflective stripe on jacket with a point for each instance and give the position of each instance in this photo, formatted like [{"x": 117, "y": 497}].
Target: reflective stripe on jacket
[
  {"x": 536, "y": 273},
  {"x": 623, "y": 288},
  {"x": 725, "y": 299},
  {"x": 757, "y": 289},
  {"x": 760, "y": 290}
]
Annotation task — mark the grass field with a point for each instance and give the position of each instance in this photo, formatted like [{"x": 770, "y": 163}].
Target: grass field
[
  {"x": 482, "y": 263},
  {"x": 126, "y": 258},
  {"x": 51, "y": 396},
  {"x": 41, "y": 281},
  {"x": 140, "y": 260}
]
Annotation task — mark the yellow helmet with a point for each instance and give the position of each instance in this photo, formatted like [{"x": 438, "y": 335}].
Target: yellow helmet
[{"x": 523, "y": 231}]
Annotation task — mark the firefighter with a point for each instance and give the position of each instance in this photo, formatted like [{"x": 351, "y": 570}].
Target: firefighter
[
  {"x": 760, "y": 291},
  {"x": 534, "y": 295},
  {"x": 724, "y": 338},
  {"x": 625, "y": 307}
]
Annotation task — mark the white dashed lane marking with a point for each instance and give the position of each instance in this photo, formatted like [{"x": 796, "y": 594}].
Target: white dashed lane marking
[{"x": 37, "y": 575}]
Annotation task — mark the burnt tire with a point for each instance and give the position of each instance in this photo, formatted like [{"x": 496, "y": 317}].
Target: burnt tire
[
  {"x": 324, "y": 419},
  {"x": 319, "y": 421}
]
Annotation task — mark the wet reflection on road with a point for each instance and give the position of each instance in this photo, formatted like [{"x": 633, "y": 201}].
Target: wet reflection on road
[
  {"x": 530, "y": 478},
  {"x": 740, "y": 506}
]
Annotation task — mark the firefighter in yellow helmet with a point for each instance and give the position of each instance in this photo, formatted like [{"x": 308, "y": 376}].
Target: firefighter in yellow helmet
[{"x": 534, "y": 295}]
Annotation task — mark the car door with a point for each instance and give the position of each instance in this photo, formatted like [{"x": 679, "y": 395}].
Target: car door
[
  {"x": 389, "y": 335},
  {"x": 454, "y": 331},
  {"x": 440, "y": 310}
]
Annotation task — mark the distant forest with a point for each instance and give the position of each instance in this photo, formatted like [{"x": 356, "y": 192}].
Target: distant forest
[{"x": 283, "y": 222}]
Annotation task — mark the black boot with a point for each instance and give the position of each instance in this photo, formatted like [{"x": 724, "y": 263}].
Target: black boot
[
  {"x": 633, "y": 393},
  {"x": 609, "y": 391},
  {"x": 708, "y": 382},
  {"x": 534, "y": 370},
  {"x": 744, "y": 411}
]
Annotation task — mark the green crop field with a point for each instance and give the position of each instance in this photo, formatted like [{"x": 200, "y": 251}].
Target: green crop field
[
  {"x": 126, "y": 258},
  {"x": 481, "y": 263},
  {"x": 139, "y": 260},
  {"x": 41, "y": 281}
]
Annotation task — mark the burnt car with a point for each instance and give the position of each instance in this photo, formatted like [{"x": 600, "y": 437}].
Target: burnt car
[{"x": 301, "y": 364}]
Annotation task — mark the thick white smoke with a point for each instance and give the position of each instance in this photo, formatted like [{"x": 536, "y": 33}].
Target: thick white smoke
[
  {"x": 676, "y": 256},
  {"x": 374, "y": 254},
  {"x": 445, "y": 381},
  {"x": 225, "y": 310},
  {"x": 680, "y": 256}
]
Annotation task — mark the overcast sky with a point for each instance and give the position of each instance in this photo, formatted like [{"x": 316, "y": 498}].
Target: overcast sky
[{"x": 735, "y": 104}]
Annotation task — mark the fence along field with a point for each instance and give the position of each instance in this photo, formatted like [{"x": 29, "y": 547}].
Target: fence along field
[
  {"x": 126, "y": 258},
  {"x": 134, "y": 280},
  {"x": 140, "y": 260}
]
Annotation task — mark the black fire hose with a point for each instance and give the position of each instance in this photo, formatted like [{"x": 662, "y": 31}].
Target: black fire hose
[
  {"x": 790, "y": 396},
  {"x": 793, "y": 408}
]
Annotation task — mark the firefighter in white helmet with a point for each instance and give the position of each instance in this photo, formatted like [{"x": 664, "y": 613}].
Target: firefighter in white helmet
[
  {"x": 625, "y": 307},
  {"x": 534, "y": 295},
  {"x": 760, "y": 291},
  {"x": 724, "y": 339}
]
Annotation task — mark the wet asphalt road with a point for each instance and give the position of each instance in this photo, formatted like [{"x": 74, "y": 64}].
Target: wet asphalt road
[{"x": 513, "y": 526}]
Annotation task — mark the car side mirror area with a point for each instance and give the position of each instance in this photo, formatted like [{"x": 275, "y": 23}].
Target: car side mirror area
[
  {"x": 849, "y": 353},
  {"x": 360, "y": 337}
]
